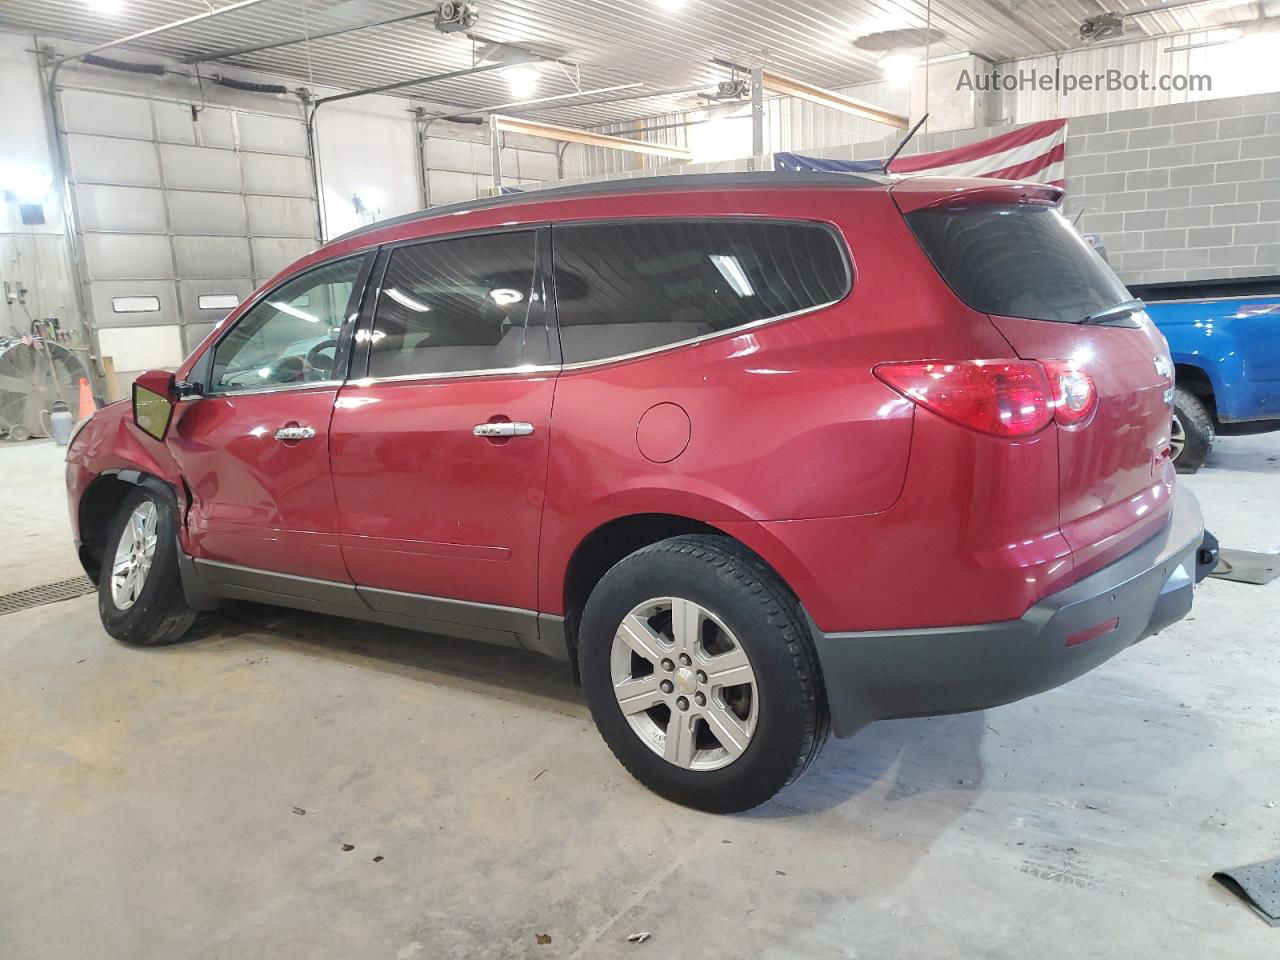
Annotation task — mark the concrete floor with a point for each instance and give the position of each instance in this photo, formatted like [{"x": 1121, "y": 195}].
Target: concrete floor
[{"x": 152, "y": 801}]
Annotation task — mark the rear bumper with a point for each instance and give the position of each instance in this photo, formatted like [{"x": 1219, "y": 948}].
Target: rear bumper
[{"x": 881, "y": 674}]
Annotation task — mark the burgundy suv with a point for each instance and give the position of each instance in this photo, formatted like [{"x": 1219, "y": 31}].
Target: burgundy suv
[{"x": 761, "y": 455}]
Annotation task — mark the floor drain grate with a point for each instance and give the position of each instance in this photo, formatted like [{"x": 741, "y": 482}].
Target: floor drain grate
[{"x": 46, "y": 593}]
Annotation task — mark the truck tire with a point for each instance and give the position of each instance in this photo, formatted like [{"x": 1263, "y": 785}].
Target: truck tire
[
  {"x": 140, "y": 598},
  {"x": 1192, "y": 435},
  {"x": 700, "y": 672}
]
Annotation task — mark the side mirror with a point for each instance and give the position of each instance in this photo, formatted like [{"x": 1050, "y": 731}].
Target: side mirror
[{"x": 154, "y": 395}]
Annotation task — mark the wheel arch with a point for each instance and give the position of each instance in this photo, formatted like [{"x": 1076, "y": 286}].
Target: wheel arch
[
  {"x": 1196, "y": 380},
  {"x": 609, "y": 542},
  {"x": 100, "y": 502}
]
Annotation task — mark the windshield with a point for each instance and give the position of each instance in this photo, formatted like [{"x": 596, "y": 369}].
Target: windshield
[{"x": 1017, "y": 260}]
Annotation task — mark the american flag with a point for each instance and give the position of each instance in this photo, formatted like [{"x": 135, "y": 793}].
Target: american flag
[{"x": 1033, "y": 153}]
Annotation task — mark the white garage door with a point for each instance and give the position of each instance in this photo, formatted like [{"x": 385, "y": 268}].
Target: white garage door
[
  {"x": 182, "y": 211},
  {"x": 458, "y": 160}
]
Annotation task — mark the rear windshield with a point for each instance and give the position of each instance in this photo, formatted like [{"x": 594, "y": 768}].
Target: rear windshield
[{"x": 1017, "y": 260}]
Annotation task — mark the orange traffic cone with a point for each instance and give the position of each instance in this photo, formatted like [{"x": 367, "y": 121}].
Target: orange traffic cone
[{"x": 86, "y": 399}]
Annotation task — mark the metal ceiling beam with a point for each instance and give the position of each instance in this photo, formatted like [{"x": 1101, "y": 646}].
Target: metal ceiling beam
[
  {"x": 229, "y": 52},
  {"x": 524, "y": 57},
  {"x": 786, "y": 86},
  {"x": 553, "y": 131},
  {"x": 539, "y": 100},
  {"x": 163, "y": 28}
]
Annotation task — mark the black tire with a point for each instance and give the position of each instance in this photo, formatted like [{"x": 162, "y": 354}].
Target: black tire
[
  {"x": 1190, "y": 413},
  {"x": 734, "y": 584},
  {"x": 160, "y": 614}
]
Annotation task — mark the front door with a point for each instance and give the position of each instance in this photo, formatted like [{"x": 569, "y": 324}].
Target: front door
[
  {"x": 440, "y": 454},
  {"x": 253, "y": 446}
]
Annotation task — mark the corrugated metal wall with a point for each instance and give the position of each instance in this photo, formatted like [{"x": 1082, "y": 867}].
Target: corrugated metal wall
[{"x": 1235, "y": 69}]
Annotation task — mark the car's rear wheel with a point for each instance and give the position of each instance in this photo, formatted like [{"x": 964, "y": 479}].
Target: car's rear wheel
[
  {"x": 140, "y": 596},
  {"x": 1191, "y": 434},
  {"x": 700, "y": 673}
]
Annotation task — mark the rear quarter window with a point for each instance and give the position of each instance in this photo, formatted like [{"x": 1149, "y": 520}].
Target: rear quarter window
[
  {"x": 1017, "y": 260},
  {"x": 624, "y": 288}
]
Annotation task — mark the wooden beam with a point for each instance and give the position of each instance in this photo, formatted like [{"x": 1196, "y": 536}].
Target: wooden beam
[
  {"x": 552, "y": 131},
  {"x": 836, "y": 101}
]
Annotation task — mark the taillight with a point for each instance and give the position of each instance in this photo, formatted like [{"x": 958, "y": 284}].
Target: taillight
[
  {"x": 1005, "y": 398},
  {"x": 1074, "y": 395}
]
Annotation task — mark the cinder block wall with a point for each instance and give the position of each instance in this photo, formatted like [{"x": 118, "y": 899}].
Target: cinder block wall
[{"x": 1187, "y": 191}]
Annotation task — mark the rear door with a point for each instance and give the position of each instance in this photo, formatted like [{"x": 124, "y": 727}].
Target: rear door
[
  {"x": 1026, "y": 267},
  {"x": 439, "y": 454}
]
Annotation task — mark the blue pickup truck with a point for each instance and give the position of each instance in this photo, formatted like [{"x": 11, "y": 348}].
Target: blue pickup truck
[{"x": 1225, "y": 340}]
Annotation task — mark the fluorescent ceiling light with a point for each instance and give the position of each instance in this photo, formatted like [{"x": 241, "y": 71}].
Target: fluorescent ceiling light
[
  {"x": 733, "y": 274},
  {"x": 522, "y": 81},
  {"x": 293, "y": 311},
  {"x": 417, "y": 306},
  {"x": 898, "y": 64}
]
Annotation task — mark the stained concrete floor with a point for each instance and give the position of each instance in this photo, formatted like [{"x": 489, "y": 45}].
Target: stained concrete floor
[{"x": 196, "y": 801}]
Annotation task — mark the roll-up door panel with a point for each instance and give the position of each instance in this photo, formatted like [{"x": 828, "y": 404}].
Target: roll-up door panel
[
  {"x": 456, "y": 155},
  {"x": 210, "y": 127},
  {"x": 124, "y": 209},
  {"x": 281, "y": 217},
  {"x": 446, "y": 186},
  {"x": 121, "y": 256},
  {"x": 129, "y": 303},
  {"x": 108, "y": 160},
  {"x": 216, "y": 294},
  {"x": 272, "y": 135},
  {"x": 87, "y": 111},
  {"x": 193, "y": 333},
  {"x": 535, "y": 165},
  {"x": 279, "y": 176},
  {"x": 199, "y": 168},
  {"x": 214, "y": 214},
  {"x": 273, "y": 254},
  {"x": 212, "y": 257}
]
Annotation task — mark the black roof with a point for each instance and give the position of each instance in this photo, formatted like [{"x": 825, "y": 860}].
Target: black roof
[{"x": 672, "y": 182}]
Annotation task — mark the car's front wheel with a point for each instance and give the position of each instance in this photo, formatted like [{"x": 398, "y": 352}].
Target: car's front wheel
[
  {"x": 140, "y": 596},
  {"x": 700, "y": 673}
]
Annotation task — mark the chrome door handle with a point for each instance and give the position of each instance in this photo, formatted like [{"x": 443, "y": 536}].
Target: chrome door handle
[
  {"x": 295, "y": 433},
  {"x": 505, "y": 428}
]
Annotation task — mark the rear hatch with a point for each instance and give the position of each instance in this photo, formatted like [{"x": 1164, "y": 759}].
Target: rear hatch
[{"x": 1006, "y": 251}]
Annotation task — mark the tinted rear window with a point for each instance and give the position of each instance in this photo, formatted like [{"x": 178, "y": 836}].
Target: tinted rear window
[
  {"x": 626, "y": 287},
  {"x": 1017, "y": 260}
]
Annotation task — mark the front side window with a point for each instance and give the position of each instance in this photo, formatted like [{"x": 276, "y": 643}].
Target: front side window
[
  {"x": 455, "y": 306},
  {"x": 626, "y": 287},
  {"x": 291, "y": 335}
]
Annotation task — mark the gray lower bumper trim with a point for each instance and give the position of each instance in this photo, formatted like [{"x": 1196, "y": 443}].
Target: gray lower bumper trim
[{"x": 899, "y": 673}]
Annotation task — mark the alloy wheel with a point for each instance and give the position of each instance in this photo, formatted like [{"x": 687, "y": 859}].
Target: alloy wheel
[
  {"x": 1177, "y": 438},
  {"x": 684, "y": 683},
  {"x": 134, "y": 554}
]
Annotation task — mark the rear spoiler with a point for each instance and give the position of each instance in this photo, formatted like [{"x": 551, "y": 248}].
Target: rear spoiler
[{"x": 919, "y": 193}]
